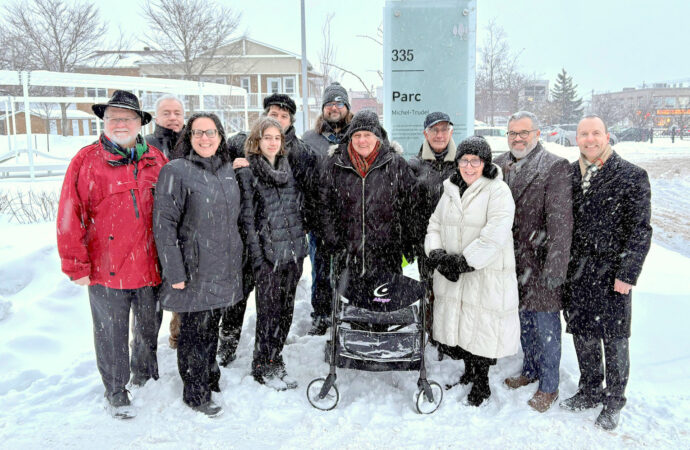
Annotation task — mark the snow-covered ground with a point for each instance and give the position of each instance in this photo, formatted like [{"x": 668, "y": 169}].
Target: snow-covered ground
[{"x": 51, "y": 395}]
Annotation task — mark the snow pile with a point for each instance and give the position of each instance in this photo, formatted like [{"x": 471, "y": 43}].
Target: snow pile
[{"x": 51, "y": 394}]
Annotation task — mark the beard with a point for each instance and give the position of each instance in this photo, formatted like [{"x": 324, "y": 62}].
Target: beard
[
  {"x": 124, "y": 142},
  {"x": 519, "y": 154}
]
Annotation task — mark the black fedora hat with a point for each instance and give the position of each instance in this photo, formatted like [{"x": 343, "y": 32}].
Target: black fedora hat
[{"x": 125, "y": 100}]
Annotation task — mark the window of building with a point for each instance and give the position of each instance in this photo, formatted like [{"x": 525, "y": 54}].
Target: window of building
[
  {"x": 96, "y": 92},
  {"x": 289, "y": 84},
  {"x": 275, "y": 85},
  {"x": 245, "y": 83},
  {"x": 670, "y": 102}
]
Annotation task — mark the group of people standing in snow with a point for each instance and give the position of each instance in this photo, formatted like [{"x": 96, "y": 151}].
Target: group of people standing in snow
[{"x": 191, "y": 220}]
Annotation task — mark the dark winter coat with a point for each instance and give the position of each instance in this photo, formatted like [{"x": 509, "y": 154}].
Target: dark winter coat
[
  {"x": 430, "y": 174},
  {"x": 164, "y": 139},
  {"x": 271, "y": 213},
  {"x": 104, "y": 219},
  {"x": 304, "y": 166},
  {"x": 196, "y": 216},
  {"x": 368, "y": 223},
  {"x": 542, "y": 230},
  {"x": 321, "y": 141},
  {"x": 611, "y": 237}
]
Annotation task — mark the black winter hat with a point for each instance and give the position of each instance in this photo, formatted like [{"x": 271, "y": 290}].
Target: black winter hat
[
  {"x": 124, "y": 100},
  {"x": 282, "y": 101},
  {"x": 366, "y": 120},
  {"x": 477, "y": 145},
  {"x": 436, "y": 117},
  {"x": 335, "y": 93}
]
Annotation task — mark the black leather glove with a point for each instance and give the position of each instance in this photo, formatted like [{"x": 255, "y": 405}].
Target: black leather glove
[
  {"x": 435, "y": 257},
  {"x": 451, "y": 266}
]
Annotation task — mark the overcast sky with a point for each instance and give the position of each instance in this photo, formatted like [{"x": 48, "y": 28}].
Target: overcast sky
[{"x": 603, "y": 44}]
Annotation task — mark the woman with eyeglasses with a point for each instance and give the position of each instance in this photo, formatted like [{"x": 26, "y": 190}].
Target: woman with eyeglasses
[
  {"x": 196, "y": 214},
  {"x": 272, "y": 216},
  {"x": 469, "y": 242}
]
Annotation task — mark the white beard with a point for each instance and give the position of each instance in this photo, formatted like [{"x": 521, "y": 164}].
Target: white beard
[{"x": 519, "y": 154}]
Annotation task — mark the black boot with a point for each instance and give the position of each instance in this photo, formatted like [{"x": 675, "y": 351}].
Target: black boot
[
  {"x": 227, "y": 346},
  {"x": 608, "y": 418},
  {"x": 480, "y": 387}
]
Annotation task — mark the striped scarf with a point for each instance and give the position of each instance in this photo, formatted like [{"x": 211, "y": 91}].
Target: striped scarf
[
  {"x": 590, "y": 169},
  {"x": 361, "y": 163}
]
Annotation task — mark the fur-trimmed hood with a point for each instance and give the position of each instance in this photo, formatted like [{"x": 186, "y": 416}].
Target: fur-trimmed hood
[{"x": 426, "y": 152}]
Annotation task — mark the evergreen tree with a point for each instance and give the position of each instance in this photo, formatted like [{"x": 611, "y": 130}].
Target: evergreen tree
[{"x": 564, "y": 95}]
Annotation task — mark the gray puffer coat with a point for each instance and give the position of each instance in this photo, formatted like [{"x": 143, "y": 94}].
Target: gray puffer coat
[{"x": 195, "y": 224}]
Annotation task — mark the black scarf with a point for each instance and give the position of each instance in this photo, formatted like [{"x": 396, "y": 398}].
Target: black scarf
[{"x": 278, "y": 176}]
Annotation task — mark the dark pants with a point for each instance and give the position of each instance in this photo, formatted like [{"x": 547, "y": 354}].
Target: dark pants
[
  {"x": 477, "y": 366},
  {"x": 540, "y": 336},
  {"x": 275, "y": 303},
  {"x": 321, "y": 293},
  {"x": 617, "y": 360},
  {"x": 196, "y": 355},
  {"x": 110, "y": 312},
  {"x": 233, "y": 316}
]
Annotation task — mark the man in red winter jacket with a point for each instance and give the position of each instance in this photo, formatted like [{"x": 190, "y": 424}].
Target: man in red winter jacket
[{"x": 105, "y": 242}]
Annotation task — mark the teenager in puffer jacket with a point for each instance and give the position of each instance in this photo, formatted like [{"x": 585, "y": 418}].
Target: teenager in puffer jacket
[{"x": 273, "y": 220}]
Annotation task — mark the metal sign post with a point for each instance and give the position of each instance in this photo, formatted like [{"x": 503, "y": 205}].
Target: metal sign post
[{"x": 429, "y": 65}]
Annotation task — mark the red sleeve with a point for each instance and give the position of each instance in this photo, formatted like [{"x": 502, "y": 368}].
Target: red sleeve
[{"x": 71, "y": 220}]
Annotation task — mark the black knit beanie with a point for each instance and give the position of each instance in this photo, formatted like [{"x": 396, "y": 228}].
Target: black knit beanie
[
  {"x": 366, "y": 120},
  {"x": 477, "y": 145},
  {"x": 335, "y": 93}
]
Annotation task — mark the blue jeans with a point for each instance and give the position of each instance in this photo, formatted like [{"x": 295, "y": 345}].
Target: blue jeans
[
  {"x": 320, "y": 282},
  {"x": 540, "y": 336}
]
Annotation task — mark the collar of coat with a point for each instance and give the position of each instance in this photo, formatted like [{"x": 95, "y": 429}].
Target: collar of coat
[
  {"x": 426, "y": 152},
  {"x": 167, "y": 133},
  {"x": 277, "y": 176},
  {"x": 453, "y": 191},
  {"x": 211, "y": 164}
]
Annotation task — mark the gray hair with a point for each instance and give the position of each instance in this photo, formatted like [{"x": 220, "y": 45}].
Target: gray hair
[
  {"x": 595, "y": 116},
  {"x": 525, "y": 115},
  {"x": 165, "y": 97}
]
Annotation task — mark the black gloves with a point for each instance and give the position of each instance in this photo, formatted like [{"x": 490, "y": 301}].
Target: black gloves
[
  {"x": 435, "y": 258},
  {"x": 451, "y": 266}
]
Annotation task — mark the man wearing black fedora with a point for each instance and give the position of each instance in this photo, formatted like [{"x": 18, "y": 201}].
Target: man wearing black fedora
[{"x": 105, "y": 242}]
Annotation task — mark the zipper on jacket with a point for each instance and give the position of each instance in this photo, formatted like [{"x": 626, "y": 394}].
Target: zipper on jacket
[{"x": 134, "y": 197}]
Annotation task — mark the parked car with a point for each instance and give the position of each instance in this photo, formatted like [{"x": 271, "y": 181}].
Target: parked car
[
  {"x": 634, "y": 134},
  {"x": 564, "y": 134},
  {"x": 490, "y": 131}
]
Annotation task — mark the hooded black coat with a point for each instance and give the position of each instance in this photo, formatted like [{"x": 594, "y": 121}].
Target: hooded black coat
[
  {"x": 368, "y": 223},
  {"x": 195, "y": 224},
  {"x": 272, "y": 213},
  {"x": 611, "y": 238}
]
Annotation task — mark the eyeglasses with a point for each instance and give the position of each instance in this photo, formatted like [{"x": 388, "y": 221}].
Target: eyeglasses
[
  {"x": 436, "y": 131},
  {"x": 523, "y": 134},
  {"x": 472, "y": 162},
  {"x": 209, "y": 133},
  {"x": 332, "y": 104},
  {"x": 124, "y": 120}
]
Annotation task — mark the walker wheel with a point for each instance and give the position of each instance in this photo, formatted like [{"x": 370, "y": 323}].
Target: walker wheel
[
  {"x": 425, "y": 405},
  {"x": 327, "y": 403}
]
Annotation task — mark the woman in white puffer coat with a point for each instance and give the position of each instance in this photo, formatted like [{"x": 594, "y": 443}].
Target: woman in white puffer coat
[{"x": 470, "y": 243}]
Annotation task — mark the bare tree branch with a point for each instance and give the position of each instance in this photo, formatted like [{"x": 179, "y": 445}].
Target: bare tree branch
[
  {"x": 349, "y": 72},
  {"x": 189, "y": 34}
]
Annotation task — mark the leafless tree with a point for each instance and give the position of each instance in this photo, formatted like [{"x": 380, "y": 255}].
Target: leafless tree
[
  {"x": 54, "y": 35},
  {"x": 609, "y": 109},
  {"x": 189, "y": 34},
  {"x": 493, "y": 56},
  {"x": 327, "y": 53}
]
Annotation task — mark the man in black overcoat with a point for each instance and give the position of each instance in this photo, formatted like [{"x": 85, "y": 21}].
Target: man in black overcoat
[{"x": 611, "y": 237}]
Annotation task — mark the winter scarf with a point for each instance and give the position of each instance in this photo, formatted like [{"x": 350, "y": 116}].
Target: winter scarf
[
  {"x": 277, "y": 176},
  {"x": 361, "y": 163},
  {"x": 590, "y": 169},
  {"x": 129, "y": 155}
]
